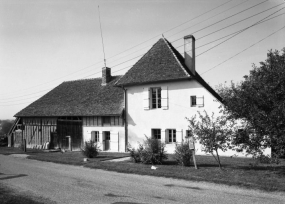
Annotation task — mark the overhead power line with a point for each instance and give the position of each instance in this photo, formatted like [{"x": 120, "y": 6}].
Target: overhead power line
[
  {"x": 261, "y": 21},
  {"x": 211, "y": 17},
  {"x": 239, "y": 32},
  {"x": 124, "y": 50},
  {"x": 227, "y": 18},
  {"x": 100, "y": 71},
  {"x": 243, "y": 50}
]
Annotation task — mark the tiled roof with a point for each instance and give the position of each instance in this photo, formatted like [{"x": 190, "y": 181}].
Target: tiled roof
[
  {"x": 79, "y": 98},
  {"x": 160, "y": 63}
]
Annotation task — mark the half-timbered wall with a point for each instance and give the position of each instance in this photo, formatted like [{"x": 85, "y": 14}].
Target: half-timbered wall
[
  {"x": 37, "y": 131},
  {"x": 98, "y": 121}
]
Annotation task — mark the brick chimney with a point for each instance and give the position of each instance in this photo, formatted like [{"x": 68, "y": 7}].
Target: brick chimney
[
  {"x": 189, "y": 52},
  {"x": 106, "y": 76}
]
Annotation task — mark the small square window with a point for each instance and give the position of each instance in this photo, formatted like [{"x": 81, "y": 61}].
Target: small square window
[
  {"x": 156, "y": 134},
  {"x": 188, "y": 133},
  {"x": 193, "y": 101}
]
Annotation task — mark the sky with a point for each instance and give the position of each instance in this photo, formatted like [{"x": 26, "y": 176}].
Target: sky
[{"x": 46, "y": 42}]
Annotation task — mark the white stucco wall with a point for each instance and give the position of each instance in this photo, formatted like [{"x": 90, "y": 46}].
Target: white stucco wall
[
  {"x": 117, "y": 137},
  {"x": 141, "y": 121}
]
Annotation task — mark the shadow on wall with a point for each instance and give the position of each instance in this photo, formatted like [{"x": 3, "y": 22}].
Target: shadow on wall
[
  {"x": 134, "y": 139},
  {"x": 130, "y": 120}
]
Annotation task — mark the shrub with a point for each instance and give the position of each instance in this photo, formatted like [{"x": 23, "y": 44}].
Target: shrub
[
  {"x": 151, "y": 152},
  {"x": 135, "y": 153},
  {"x": 90, "y": 149},
  {"x": 183, "y": 154}
]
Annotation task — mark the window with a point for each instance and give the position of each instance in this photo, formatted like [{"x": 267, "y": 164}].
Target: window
[
  {"x": 188, "y": 133},
  {"x": 156, "y": 134},
  {"x": 95, "y": 136},
  {"x": 106, "y": 120},
  {"x": 171, "y": 136},
  {"x": 193, "y": 101},
  {"x": 155, "y": 97},
  {"x": 197, "y": 101}
]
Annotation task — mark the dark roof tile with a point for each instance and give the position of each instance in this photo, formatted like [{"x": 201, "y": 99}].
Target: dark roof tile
[
  {"x": 160, "y": 63},
  {"x": 78, "y": 98}
]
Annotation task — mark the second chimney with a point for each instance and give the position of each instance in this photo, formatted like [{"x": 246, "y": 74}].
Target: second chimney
[
  {"x": 106, "y": 76},
  {"x": 189, "y": 57}
]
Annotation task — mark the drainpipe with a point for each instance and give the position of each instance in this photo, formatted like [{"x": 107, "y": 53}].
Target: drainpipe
[{"x": 125, "y": 119}]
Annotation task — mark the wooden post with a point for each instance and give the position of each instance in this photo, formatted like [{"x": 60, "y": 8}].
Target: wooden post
[
  {"x": 192, "y": 147},
  {"x": 25, "y": 145},
  {"x": 194, "y": 159}
]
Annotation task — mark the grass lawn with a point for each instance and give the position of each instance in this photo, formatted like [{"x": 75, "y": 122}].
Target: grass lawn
[{"x": 236, "y": 171}]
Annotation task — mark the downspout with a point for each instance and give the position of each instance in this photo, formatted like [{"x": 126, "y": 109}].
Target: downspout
[{"x": 125, "y": 119}]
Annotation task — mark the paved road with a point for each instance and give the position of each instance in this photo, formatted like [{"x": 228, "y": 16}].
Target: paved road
[{"x": 73, "y": 184}]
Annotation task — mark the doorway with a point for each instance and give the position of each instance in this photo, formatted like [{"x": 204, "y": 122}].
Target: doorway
[{"x": 106, "y": 135}]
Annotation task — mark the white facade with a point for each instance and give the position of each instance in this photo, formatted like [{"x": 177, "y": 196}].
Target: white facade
[
  {"x": 171, "y": 116},
  {"x": 176, "y": 106},
  {"x": 117, "y": 137}
]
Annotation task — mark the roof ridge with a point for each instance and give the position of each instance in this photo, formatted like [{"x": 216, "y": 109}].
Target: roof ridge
[
  {"x": 137, "y": 61},
  {"x": 90, "y": 78},
  {"x": 167, "y": 43}
]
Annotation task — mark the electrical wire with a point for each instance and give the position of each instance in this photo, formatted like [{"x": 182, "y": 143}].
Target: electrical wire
[
  {"x": 93, "y": 73},
  {"x": 243, "y": 50},
  {"x": 122, "y": 51},
  {"x": 239, "y": 32},
  {"x": 229, "y": 18},
  {"x": 211, "y": 17},
  {"x": 261, "y": 21}
]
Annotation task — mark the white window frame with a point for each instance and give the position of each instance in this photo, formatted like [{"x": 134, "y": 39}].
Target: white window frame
[
  {"x": 199, "y": 101},
  {"x": 171, "y": 135},
  {"x": 96, "y": 136},
  {"x": 157, "y": 98}
]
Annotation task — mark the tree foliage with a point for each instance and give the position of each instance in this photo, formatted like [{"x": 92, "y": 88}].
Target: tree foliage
[
  {"x": 259, "y": 100},
  {"x": 5, "y": 126},
  {"x": 212, "y": 133}
]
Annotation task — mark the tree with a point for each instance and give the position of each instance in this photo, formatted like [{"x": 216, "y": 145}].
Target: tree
[
  {"x": 5, "y": 126},
  {"x": 259, "y": 100},
  {"x": 213, "y": 133}
]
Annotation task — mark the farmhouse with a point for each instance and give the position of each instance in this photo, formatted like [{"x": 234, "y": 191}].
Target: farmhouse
[
  {"x": 152, "y": 99},
  {"x": 82, "y": 110}
]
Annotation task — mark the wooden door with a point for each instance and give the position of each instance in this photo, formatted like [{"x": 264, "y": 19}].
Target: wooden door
[
  {"x": 72, "y": 128},
  {"x": 107, "y": 140}
]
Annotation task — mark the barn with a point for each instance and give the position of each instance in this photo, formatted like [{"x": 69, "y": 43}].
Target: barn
[{"x": 82, "y": 110}]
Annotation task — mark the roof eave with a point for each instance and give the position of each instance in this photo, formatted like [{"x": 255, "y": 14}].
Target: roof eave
[{"x": 154, "y": 82}]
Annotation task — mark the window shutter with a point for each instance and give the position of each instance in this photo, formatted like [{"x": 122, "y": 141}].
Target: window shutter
[
  {"x": 93, "y": 136},
  {"x": 163, "y": 136},
  {"x": 146, "y": 98},
  {"x": 114, "y": 141},
  {"x": 164, "y": 97},
  {"x": 200, "y": 101},
  {"x": 178, "y": 136}
]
